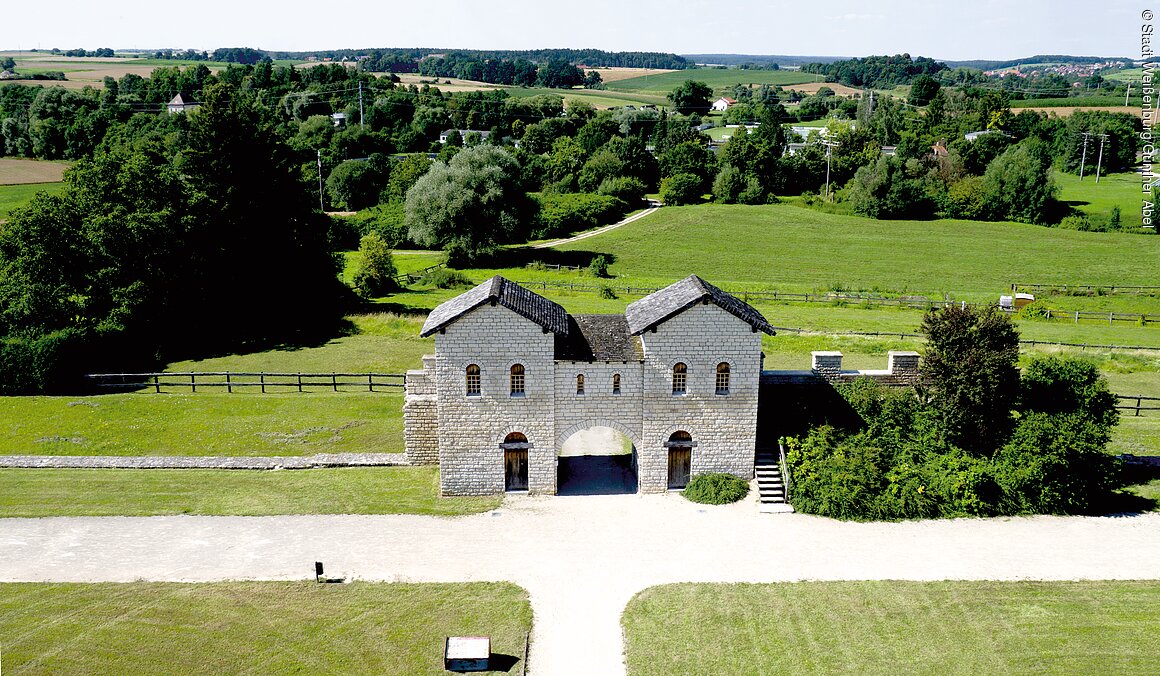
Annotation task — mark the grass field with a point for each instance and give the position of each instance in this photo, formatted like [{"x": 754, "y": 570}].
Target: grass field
[
  {"x": 718, "y": 79},
  {"x": 202, "y": 424},
  {"x": 154, "y": 492},
  {"x": 15, "y": 196},
  {"x": 600, "y": 98},
  {"x": 1097, "y": 199},
  {"x": 893, "y": 627},
  {"x": 1079, "y": 102},
  {"x": 254, "y": 627}
]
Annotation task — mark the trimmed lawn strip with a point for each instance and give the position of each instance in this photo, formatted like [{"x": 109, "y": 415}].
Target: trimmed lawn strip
[
  {"x": 205, "y": 423},
  {"x": 254, "y": 627},
  {"x": 888, "y": 627},
  {"x": 157, "y": 492},
  {"x": 15, "y": 196}
]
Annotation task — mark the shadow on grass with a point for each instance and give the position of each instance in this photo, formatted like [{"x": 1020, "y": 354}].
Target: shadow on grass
[
  {"x": 501, "y": 662},
  {"x": 518, "y": 257}
]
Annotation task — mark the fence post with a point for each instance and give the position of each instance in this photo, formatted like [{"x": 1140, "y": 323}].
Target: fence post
[
  {"x": 1139, "y": 403},
  {"x": 299, "y": 381},
  {"x": 156, "y": 384},
  {"x": 229, "y": 383},
  {"x": 334, "y": 381},
  {"x": 192, "y": 383},
  {"x": 262, "y": 381},
  {"x": 1077, "y": 316},
  {"x": 371, "y": 382}
]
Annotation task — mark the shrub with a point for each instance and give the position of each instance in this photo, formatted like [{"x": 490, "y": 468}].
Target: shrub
[
  {"x": 1069, "y": 385},
  {"x": 716, "y": 489},
  {"x": 386, "y": 220},
  {"x": 598, "y": 267},
  {"x": 607, "y": 293},
  {"x": 681, "y": 189},
  {"x": 627, "y": 189},
  {"x": 1076, "y": 222},
  {"x": 1035, "y": 310},
  {"x": 444, "y": 278},
  {"x": 48, "y": 364},
  {"x": 566, "y": 213},
  {"x": 375, "y": 271},
  {"x": 728, "y": 185}
]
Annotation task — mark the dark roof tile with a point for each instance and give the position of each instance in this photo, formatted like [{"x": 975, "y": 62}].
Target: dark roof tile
[
  {"x": 670, "y": 301},
  {"x": 551, "y": 316},
  {"x": 598, "y": 338}
]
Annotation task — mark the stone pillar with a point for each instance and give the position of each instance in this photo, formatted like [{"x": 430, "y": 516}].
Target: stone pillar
[
  {"x": 421, "y": 415},
  {"x": 904, "y": 365},
  {"x": 827, "y": 364}
]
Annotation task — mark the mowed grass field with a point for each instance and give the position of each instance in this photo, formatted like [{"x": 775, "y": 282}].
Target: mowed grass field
[
  {"x": 717, "y": 78},
  {"x": 893, "y": 627},
  {"x": 15, "y": 171},
  {"x": 160, "y": 492},
  {"x": 255, "y": 627},
  {"x": 13, "y": 197},
  {"x": 1096, "y": 200}
]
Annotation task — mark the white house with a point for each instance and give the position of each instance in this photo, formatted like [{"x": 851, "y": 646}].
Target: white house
[{"x": 722, "y": 104}]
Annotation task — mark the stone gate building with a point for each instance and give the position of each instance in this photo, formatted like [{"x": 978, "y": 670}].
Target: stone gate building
[{"x": 514, "y": 375}]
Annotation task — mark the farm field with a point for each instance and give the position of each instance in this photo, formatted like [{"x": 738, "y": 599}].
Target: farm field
[
  {"x": 717, "y": 78},
  {"x": 15, "y": 196},
  {"x": 599, "y": 98},
  {"x": 255, "y": 627},
  {"x": 1114, "y": 104},
  {"x": 155, "y": 492},
  {"x": 886, "y": 627},
  {"x": 21, "y": 171}
]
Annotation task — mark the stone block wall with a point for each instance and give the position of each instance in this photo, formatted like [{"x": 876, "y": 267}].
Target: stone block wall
[
  {"x": 421, "y": 415},
  {"x": 598, "y": 406},
  {"x": 902, "y": 369},
  {"x": 723, "y": 427},
  {"x": 471, "y": 428}
]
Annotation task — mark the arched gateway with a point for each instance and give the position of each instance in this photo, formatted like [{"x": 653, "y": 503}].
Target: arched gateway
[{"x": 686, "y": 359}]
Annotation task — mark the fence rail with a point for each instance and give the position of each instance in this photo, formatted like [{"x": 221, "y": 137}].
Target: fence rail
[
  {"x": 1089, "y": 288},
  {"x": 1139, "y": 403},
  {"x": 412, "y": 277},
  {"x": 263, "y": 381}
]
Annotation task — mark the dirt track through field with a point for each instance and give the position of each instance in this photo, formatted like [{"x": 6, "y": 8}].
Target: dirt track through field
[{"x": 581, "y": 558}]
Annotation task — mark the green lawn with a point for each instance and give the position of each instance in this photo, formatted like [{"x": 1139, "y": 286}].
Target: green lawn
[
  {"x": 254, "y": 627},
  {"x": 893, "y": 627},
  {"x": 601, "y": 98},
  {"x": 717, "y": 78},
  {"x": 1097, "y": 199},
  {"x": 209, "y": 423},
  {"x": 16, "y": 196},
  {"x": 152, "y": 492}
]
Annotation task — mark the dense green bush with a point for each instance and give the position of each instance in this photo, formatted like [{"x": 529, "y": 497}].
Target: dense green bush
[
  {"x": 901, "y": 463},
  {"x": 716, "y": 489},
  {"x": 561, "y": 214},
  {"x": 47, "y": 364},
  {"x": 386, "y": 220},
  {"x": 374, "y": 274},
  {"x": 627, "y": 189},
  {"x": 681, "y": 189},
  {"x": 444, "y": 278}
]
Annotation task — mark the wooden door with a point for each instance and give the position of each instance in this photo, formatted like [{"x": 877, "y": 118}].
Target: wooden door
[
  {"x": 680, "y": 464},
  {"x": 515, "y": 464}
]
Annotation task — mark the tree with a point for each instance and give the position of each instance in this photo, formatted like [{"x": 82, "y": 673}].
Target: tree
[
  {"x": 971, "y": 361},
  {"x": 692, "y": 97},
  {"x": 923, "y": 89},
  {"x": 470, "y": 205},
  {"x": 8, "y": 63},
  {"x": 354, "y": 185},
  {"x": 681, "y": 189},
  {"x": 1018, "y": 184},
  {"x": 374, "y": 273}
]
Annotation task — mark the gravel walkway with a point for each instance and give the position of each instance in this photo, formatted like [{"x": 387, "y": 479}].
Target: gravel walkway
[
  {"x": 581, "y": 558},
  {"x": 202, "y": 462},
  {"x": 597, "y": 231}
]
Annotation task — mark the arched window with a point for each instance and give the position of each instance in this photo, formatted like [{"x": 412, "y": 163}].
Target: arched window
[
  {"x": 723, "y": 378},
  {"x": 616, "y": 383},
  {"x": 517, "y": 380},
  {"x": 473, "y": 380},
  {"x": 580, "y": 383},
  {"x": 680, "y": 377}
]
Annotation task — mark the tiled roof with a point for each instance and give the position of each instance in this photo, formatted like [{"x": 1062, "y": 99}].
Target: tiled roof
[
  {"x": 598, "y": 338},
  {"x": 498, "y": 290},
  {"x": 658, "y": 307}
]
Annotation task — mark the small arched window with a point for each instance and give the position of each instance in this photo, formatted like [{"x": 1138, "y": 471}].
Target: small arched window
[
  {"x": 723, "y": 378},
  {"x": 580, "y": 383},
  {"x": 680, "y": 378},
  {"x": 473, "y": 380},
  {"x": 517, "y": 380},
  {"x": 616, "y": 383}
]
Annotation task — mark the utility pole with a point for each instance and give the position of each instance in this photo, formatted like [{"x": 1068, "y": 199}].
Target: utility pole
[
  {"x": 1127, "y": 93},
  {"x": 830, "y": 145},
  {"x": 360, "y": 105},
  {"x": 1083, "y": 157},
  {"x": 1100, "y": 161},
  {"x": 321, "y": 206}
]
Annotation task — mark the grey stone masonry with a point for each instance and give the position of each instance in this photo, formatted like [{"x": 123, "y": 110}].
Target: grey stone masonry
[
  {"x": 421, "y": 415},
  {"x": 827, "y": 364}
]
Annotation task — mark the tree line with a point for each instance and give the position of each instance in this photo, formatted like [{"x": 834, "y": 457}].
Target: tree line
[{"x": 876, "y": 71}]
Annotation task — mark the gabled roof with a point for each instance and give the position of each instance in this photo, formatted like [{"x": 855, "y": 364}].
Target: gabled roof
[
  {"x": 180, "y": 100},
  {"x": 674, "y": 299},
  {"x": 598, "y": 338},
  {"x": 498, "y": 290}
]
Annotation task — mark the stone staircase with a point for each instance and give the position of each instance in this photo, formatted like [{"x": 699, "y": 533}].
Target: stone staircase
[{"x": 770, "y": 485}]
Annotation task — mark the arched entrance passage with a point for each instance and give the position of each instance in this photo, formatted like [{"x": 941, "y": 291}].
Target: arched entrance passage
[{"x": 596, "y": 460}]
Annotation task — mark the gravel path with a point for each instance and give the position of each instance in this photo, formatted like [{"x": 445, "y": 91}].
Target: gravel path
[
  {"x": 597, "y": 231},
  {"x": 202, "y": 462},
  {"x": 581, "y": 558}
]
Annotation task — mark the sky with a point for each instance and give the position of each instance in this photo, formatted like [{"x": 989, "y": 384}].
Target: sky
[{"x": 980, "y": 29}]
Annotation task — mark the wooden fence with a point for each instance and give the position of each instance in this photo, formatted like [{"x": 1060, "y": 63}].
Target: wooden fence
[
  {"x": 262, "y": 382},
  {"x": 1091, "y": 289},
  {"x": 1142, "y": 403}
]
